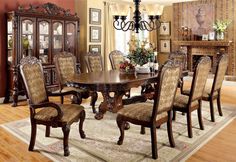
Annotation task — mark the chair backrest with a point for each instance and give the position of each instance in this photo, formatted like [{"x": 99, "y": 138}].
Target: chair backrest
[
  {"x": 200, "y": 77},
  {"x": 116, "y": 57},
  {"x": 65, "y": 63},
  {"x": 220, "y": 72},
  {"x": 167, "y": 86},
  {"x": 32, "y": 73},
  {"x": 179, "y": 58},
  {"x": 94, "y": 61}
]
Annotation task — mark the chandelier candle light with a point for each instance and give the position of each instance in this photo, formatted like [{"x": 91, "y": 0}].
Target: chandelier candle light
[{"x": 137, "y": 23}]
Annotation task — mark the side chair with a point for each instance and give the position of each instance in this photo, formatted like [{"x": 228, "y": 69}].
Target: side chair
[
  {"x": 94, "y": 61},
  {"x": 152, "y": 115},
  {"x": 179, "y": 58},
  {"x": 44, "y": 112},
  {"x": 187, "y": 104},
  {"x": 116, "y": 57},
  {"x": 65, "y": 63},
  {"x": 213, "y": 93}
]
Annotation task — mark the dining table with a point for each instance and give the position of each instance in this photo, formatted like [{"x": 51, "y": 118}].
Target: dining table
[{"x": 116, "y": 82}]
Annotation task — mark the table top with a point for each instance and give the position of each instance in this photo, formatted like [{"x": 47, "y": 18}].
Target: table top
[{"x": 112, "y": 78}]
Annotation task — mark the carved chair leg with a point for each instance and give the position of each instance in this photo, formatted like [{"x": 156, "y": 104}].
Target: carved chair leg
[
  {"x": 47, "y": 134},
  {"x": 199, "y": 113},
  {"x": 212, "y": 110},
  {"x": 62, "y": 99},
  {"x": 219, "y": 106},
  {"x": 174, "y": 115},
  {"x": 121, "y": 125},
  {"x": 189, "y": 124},
  {"x": 76, "y": 99},
  {"x": 81, "y": 122},
  {"x": 33, "y": 136},
  {"x": 94, "y": 97},
  {"x": 169, "y": 129},
  {"x": 66, "y": 131},
  {"x": 142, "y": 131},
  {"x": 154, "y": 141}
]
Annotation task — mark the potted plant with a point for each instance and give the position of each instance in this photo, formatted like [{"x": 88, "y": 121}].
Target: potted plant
[{"x": 220, "y": 27}]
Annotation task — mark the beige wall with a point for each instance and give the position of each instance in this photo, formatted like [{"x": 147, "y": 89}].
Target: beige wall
[
  {"x": 165, "y": 17},
  {"x": 82, "y": 8}
]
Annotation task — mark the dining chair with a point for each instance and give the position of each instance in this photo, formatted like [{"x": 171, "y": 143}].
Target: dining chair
[
  {"x": 188, "y": 103},
  {"x": 116, "y": 57},
  {"x": 152, "y": 115},
  {"x": 44, "y": 112},
  {"x": 180, "y": 58},
  {"x": 213, "y": 93},
  {"x": 94, "y": 61},
  {"x": 65, "y": 63}
]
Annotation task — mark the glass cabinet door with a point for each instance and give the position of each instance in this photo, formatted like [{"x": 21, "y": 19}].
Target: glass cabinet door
[
  {"x": 27, "y": 38},
  {"x": 9, "y": 41},
  {"x": 70, "y": 37},
  {"x": 43, "y": 41},
  {"x": 57, "y": 37}
]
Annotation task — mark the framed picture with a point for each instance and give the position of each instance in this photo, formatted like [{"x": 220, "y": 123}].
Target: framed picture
[
  {"x": 204, "y": 36},
  {"x": 211, "y": 36},
  {"x": 95, "y": 48},
  {"x": 95, "y": 34},
  {"x": 165, "y": 46},
  {"x": 165, "y": 28},
  {"x": 95, "y": 16}
]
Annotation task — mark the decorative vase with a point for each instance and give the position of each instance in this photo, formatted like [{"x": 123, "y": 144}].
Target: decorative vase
[
  {"x": 25, "y": 42},
  {"x": 10, "y": 42},
  {"x": 220, "y": 35}
]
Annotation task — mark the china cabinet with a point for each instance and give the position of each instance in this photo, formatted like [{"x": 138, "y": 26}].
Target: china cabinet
[{"x": 41, "y": 31}]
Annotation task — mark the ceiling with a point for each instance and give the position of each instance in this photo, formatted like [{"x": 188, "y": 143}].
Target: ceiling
[{"x": 162, "y": 2}]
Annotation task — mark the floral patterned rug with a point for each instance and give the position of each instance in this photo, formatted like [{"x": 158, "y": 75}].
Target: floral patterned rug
[{"x": 101, "y": 137}]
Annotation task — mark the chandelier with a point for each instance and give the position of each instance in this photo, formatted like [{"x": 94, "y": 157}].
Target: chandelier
[{"x": 154, "y": 12}]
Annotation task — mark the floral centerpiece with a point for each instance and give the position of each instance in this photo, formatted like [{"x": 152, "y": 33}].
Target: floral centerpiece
[
  {"x": 220, "y": 27},
  {"x": 127, "y": 68},
  {"x": 140, "y": 53}
]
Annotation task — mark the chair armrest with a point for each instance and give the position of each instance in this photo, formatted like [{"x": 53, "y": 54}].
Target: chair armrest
[{"x": 49, "y": 104}]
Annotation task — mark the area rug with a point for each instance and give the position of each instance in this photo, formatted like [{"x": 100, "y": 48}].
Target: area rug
[{"x": 102, "y": 135}]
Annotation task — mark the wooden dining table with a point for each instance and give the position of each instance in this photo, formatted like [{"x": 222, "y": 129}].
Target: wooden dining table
[{"x": 112, "y": 81}]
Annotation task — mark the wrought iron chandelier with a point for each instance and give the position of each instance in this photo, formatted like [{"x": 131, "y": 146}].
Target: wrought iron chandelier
[{"x": 137, "y": 23}]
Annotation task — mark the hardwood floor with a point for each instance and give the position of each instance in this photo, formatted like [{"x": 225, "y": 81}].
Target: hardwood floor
[{"x": 221, "y": 148}]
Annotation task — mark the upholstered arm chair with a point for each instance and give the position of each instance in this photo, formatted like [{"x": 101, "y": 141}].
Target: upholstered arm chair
[
  {"x": 44, "y": 112},
  {"x": 65, "y": 63},
  {"x": 213, "y": 93},
  {"x": 187, "y": 104},
  {"x": 153, "y": 115}
]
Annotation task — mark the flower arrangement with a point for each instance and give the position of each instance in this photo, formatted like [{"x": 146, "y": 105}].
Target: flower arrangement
[
  {"x": 127, "y": 67},
  {"x": 221, "y": 25},
  {"x": 140, "y": 53}
]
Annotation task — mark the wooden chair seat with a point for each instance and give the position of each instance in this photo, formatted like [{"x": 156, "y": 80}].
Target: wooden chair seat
[
  {"x": 70, "y": 113},
  {"x": 181, "y": 101},
  {"x": 141, "y": 112}
]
